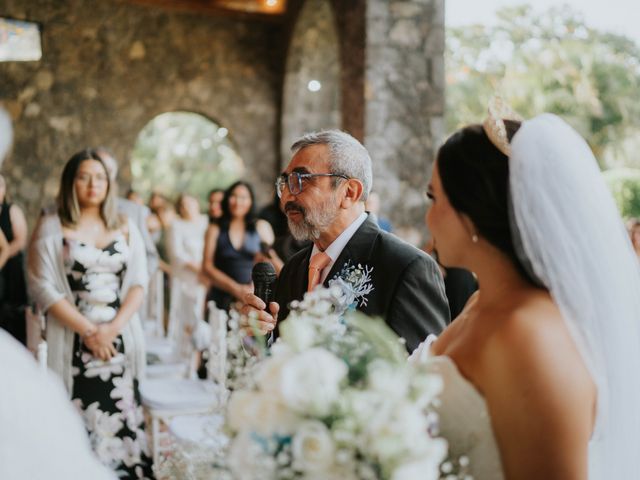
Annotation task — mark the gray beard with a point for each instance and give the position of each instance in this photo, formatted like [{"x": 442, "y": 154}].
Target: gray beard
[{"x": 314, "y": 222}]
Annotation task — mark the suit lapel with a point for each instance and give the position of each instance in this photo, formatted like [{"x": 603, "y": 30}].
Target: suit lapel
[{"x": 358, "y": 249}]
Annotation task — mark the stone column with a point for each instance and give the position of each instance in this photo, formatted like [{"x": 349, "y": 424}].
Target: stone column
[{"x": 404, "y": 104}]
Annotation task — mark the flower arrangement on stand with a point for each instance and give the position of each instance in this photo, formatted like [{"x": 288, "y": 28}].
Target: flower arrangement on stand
[{"x": 335, "y": 399}]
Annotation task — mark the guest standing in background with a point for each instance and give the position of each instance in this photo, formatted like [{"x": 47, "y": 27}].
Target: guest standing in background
[
  {"x": 232, "y": 245},
  {"x": 185, "y": 243},
  {"x": 134, "y": 197},
  {"x": 137, "y": 212},
  {"x": 87, "y": 272},
  {"x": 159, "y": 221},
  {"x": 373, "y": 207},
  {"x": 215, "y": 204},
  {"x": 13, "y": 297}
]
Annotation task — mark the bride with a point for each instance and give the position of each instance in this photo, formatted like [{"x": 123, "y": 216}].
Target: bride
[{"x": 541, "y": 367}]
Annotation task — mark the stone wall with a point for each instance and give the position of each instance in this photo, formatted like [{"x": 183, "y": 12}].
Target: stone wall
[
  {"x": 351, "y": 22},
  {"x": 391, "y": 55},
  {"x": 313, "y": 54},
  {"x": 109, "y": 67},
  {"x": 404, "y": 94}
]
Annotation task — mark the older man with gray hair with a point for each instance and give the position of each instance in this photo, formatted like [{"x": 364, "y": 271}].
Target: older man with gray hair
[{"x": 322, "y": 191}]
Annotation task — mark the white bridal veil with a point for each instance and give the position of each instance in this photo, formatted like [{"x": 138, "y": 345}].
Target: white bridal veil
[{"x": 574, "y": 241}]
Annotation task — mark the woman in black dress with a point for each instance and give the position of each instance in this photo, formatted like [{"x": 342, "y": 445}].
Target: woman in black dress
[
  {"x": 233, "y": 245},
  {"x": 13, "y": 288}
]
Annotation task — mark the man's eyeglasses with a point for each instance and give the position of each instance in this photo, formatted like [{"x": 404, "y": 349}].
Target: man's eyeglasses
[{"x": 294, "y": 181}]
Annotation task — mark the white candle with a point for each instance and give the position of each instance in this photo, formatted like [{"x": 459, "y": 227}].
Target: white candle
[{"x": 42, "y": 355}]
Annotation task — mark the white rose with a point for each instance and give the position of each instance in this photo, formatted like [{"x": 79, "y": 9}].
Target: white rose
[
  {"x": 402, "y": 433},
  {"x": 241, "y": 410},
  {"x": 269, "y": 371},
  {"x": 361, "y": 406},
  {"x": 298, "y": 333},
  {"x": 393, "y": 380},
  {"x": 311, "y": 381},
  {"x": 248, "y": 461},
  {"x": 261, "y": 413},
  {"x": 312, "y": 448}
]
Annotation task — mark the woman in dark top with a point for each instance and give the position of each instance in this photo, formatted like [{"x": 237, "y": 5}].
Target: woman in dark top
[
  {"x": 232, "y": 246},
  {"x": 13, "y": 287}
]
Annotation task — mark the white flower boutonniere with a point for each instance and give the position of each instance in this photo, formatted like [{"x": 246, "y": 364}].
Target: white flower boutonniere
[{"x": 355, "y": 282}]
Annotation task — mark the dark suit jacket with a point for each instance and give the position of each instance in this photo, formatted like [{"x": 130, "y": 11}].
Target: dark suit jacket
[{"x": 408, "y": 290}]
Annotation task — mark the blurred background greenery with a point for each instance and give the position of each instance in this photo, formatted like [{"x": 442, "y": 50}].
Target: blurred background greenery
[
  {"x": 551, "y": 61},
  {"x": 183, "y": 152}
]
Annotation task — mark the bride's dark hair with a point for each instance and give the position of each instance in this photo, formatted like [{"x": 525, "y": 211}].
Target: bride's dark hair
[{"x": 475, "y": 177}]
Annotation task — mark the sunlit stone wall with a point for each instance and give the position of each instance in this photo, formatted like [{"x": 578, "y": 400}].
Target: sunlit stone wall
[
  {"x": 404, "y": 92},
  {"x": 311, "y": 91},
  {"x": 109, "y": 67}
]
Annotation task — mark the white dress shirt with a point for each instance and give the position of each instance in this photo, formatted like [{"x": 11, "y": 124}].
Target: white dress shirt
[{"x": 335, "y": 249}]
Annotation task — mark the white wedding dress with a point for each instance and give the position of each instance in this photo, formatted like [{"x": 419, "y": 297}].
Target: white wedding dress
[{"x": 465, "y": 422}]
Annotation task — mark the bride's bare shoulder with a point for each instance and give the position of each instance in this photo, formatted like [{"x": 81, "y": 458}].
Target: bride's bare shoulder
[
  {"x": 533, "y": 325},
  {"x": 533, "y": 343}
]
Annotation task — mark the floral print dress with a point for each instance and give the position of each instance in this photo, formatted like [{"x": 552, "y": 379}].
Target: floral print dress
[{"x": 106, "y": 393}]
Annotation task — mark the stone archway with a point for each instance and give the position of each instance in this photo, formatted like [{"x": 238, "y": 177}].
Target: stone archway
[{"x": 182, "y": 151}]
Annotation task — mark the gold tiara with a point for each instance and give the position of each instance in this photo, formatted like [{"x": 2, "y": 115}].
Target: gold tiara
[{"x": 494, "y": 126}]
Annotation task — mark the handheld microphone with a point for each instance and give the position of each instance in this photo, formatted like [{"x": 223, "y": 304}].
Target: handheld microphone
[{"x": 264, "y": 279}]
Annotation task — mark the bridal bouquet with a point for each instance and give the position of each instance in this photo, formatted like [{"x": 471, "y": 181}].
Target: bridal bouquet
[{"x": 336, "y": 399}]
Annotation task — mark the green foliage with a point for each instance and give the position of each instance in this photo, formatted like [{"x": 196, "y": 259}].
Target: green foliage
[
  {"x": 183, "y": 152},
  {"x": 376, "y": 333},
  {"x": 549, "y": 62},
  {"x": 625, "y": 186}
]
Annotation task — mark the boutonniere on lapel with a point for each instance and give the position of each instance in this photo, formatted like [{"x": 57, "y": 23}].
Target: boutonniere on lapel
[{"x": 355, "y": 282}]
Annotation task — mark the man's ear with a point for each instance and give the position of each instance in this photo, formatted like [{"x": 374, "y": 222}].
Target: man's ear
[{"x": 353, "y": 190}]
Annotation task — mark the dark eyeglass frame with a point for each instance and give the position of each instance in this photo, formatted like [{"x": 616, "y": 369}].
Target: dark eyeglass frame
[{"x": 294, "y": 180}]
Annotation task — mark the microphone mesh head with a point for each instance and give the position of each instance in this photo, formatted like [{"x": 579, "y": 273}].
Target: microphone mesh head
[{"x": 262, "y": 272}]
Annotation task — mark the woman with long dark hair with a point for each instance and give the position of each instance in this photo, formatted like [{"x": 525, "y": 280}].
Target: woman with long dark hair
[
  {"x": 539, "y": 368},
  {"x": 87, "y": 272},
  {"x": 233, "y": 245}
]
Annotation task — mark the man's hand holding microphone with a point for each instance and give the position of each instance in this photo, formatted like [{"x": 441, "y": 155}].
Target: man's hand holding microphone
[{"x": 255, "y": 305}]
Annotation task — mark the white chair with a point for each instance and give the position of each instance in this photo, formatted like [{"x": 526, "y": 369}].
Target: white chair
[
  {"x": 171, "y": 355},
  {"x": 165, "y": 399}
]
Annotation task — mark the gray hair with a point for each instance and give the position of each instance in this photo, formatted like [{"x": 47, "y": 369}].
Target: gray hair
[{"x": 347, "y": 156}]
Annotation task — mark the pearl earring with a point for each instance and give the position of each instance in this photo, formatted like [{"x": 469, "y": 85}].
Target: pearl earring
[{"x": 474, "y": 238}]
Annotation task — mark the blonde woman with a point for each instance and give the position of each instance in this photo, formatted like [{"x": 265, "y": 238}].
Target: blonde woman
[{"x": 87, "y": 271}]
